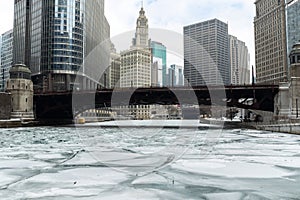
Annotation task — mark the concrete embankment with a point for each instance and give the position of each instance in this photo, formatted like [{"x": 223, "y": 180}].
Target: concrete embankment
[
  {"x": 10, "y": 123},
  {"x": 293, "y": 128},
  {"x": 15, "y": 123},
  {"x": 281, "y": 127}
]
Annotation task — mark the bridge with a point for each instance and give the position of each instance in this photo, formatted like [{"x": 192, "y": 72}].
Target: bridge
[{"x": 66, "y": 105}]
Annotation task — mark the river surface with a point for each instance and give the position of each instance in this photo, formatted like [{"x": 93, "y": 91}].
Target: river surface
[{"x": 148, "y": 163}]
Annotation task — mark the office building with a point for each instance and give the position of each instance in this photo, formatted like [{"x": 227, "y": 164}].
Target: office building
[
  {"x": 5, "y": 58},
  {"x": 270, "y": 41},
  {"x": 239, "y": 61},
  {"x": 136, "y": 62},
  {"x": 206, "y": 53},
  {"x": 154, "y": 74},
  {"x": 159, "y": 51},
  {"x": 114, "y": 68},
  {"x": 175, "y": 76},
  {"x": 54, "y": 38},
  {"x": 293, "y": 24},
  {"x": 135, "y": 68}
]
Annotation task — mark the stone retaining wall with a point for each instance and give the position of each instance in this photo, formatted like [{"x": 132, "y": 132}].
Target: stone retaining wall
[{"x": 5, "y": 106}]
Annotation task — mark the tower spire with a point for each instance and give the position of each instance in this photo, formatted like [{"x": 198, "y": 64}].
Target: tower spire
[
  {"x": 142, "y": 3},
  {"x": 141, "y": 35}
]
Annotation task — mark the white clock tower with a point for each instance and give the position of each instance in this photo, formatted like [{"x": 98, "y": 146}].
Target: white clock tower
[{"x": 141, "y": 36}]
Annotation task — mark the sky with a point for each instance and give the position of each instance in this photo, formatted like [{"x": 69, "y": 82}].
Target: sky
[{"x": 170, "y": 15}]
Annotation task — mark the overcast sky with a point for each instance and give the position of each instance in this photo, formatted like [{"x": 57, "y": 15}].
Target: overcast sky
[{"x": 169, "y": 14}]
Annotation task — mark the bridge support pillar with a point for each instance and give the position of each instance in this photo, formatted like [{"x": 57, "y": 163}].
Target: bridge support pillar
[
  {"x": 288, "y": 98},
  {"x": 50, "y": 82},
  {"x": 282, "y": 103},
  {"x": 68, "y": 82}
]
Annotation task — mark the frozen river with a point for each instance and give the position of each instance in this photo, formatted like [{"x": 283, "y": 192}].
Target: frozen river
[{"x": 148, "y": 163}]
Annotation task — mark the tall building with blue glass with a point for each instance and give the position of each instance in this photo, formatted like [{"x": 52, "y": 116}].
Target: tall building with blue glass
[
  {"x": 53, "y": 38},
  {"x": 159, "y": 50}
]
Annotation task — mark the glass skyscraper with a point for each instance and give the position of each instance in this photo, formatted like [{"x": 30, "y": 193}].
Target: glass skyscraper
[
  {"x": 159, "y": 50},
  {"x": 206, "y": 53},
  {"x": 53, "y": 38},
  {"x": 293, "y": 24}
]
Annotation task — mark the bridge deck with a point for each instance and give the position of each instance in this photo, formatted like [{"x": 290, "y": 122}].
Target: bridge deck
[{"x": 64, "y": 104}]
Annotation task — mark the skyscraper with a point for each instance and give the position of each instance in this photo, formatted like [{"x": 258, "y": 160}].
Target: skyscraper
[
  {"x": 270, "y": 41},
  {"x": 293, "y": 24},
  {"x": 114, "y": 68},
  {"x": 175, "y": 76},
  {"x": 54, "y": 37},
  {"x": 135, "y": 70},
  {"x": 206, "y": 53},
  {"x": 6, "y": 57},
  {"x": 136, "y": 62},
  {"x": 141, "y": 38},
  {"x": 154, "y": 74},
  {"x": 239, "y": 61},
  {"x": 159, "y": 50}
]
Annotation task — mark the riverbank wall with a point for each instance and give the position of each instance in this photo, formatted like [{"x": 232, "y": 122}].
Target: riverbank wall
[
  {"x": 286, "y": 126},
  {"x": 293, "y": 128}
]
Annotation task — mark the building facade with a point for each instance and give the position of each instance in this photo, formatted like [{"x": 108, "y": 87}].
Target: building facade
[
  {"x": 270, "y": 41},
  {"x": 175, "y": 76},
  {"x": 6, "y": 58},
  {"x": 159, "y": 51},
  {"x": 154, "y": 74},
  {"x": 114, "y": 69},
  {"x": 53, "y": 38},
  {"x": 206, "y": 53},
  {"x": 239, "y": 61},
  {"x": 135, "y": 70},
  {"x": 293, "y": 24}
]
